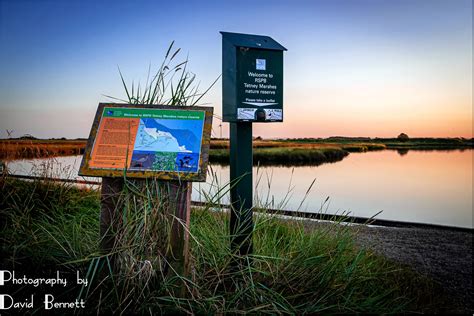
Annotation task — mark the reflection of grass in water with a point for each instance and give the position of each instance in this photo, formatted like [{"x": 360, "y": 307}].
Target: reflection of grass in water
[{"x": 165, "y": 161}]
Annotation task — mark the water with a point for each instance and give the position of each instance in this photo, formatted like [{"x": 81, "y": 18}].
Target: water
[{"x": 419, "y": 186}]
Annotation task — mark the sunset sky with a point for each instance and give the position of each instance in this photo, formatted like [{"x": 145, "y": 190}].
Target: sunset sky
[{"x": 353, "y": 68}]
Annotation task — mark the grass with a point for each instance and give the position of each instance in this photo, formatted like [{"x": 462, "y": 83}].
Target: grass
[
  {"x": 171, "y": 84},
  {"x": 266, "y": 152},
  {"x": 285, "y": 155},
  {"x": 363, "y": 147},
  {"x": 18, "y": 149},
  {"x": 294, "y": 270},
  {"x": 425, "y": 143}
]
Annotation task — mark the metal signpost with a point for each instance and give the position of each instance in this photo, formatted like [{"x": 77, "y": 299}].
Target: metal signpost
[
  {"x": 252, "y": 91},
  {"x": 157, "y": 148}
]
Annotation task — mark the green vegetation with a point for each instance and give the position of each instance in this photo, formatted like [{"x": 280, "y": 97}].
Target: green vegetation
[
  {"x": 315, "y": 151},
  {"x": 172, "y": 84},
  {"x": 34, "y": 148},
  {"x": 285, "y": 155},
  {"x": 164, "y": 161},
  {"x": 294, "y": 270},
  {"x": 362, "y": 147},
  {"x": 392, "y": 143},
  {"x": 310, "y": 151},
  {"x": 293, "y": 153},
  {"x": 403, "y": 137}
]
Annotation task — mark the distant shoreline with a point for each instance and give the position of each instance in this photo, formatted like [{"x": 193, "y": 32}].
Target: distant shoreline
[{"x": 297, "y": 151}]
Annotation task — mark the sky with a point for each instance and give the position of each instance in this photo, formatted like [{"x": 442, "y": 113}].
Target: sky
[{"x": 368, "y": 68}]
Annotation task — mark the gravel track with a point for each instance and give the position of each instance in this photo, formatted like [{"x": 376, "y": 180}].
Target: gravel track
[{"x": 442, "y": 254}]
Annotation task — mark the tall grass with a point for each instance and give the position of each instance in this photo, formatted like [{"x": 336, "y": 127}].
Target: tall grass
[
  {"x": 295, "y": 268},
  {"x": 171, "y": 84}
]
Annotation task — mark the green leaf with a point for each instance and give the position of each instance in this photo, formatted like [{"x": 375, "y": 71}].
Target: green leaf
[{"x": 124, "y": 85}]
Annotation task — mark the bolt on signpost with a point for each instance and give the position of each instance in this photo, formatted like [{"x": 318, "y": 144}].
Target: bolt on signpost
[
  {"x": 252, "y": 91},
  {"x": 158, "y": 150}
]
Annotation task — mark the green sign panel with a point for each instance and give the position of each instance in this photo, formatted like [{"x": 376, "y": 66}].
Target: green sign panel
[
  {"x": 252, "y": 78},
  {"x": 259, "y": 85}
]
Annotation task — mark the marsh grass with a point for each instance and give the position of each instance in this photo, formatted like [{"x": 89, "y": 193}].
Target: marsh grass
[
  {"x": 171, "y": 84},
  {"x": 16, "y": 149},
  {"x": 362, "y": 147},
  {"x": 271, "y": 153},
  {"x": 286, "y": 156},
  {"x": 295, "y": 268},
  {"x": 356, "y": 143}
]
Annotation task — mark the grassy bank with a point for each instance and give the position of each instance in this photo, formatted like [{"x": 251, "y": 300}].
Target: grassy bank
[
  {"x": 18, "y": 149},
  {"x": 285, "y": 155},
  {"x": 46, "y": 227},
  {"x": 265, "y": 153},
  {"x": 426, "y": 143},
  {"x": 302, "y": 151},
  {"x": 305, "y": 144}
]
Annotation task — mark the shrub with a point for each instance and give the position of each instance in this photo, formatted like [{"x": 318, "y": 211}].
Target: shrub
[{"x": 403, "y": 137}]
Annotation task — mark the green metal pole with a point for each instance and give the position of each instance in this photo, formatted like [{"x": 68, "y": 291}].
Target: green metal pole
[{"x": 241, "y": 221}]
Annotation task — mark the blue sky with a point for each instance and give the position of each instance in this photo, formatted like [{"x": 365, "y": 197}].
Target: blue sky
[{"x": 355, "y": 68}]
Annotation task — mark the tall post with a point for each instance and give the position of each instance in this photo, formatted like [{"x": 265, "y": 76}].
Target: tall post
[
  {"x": 252, "y": 91},
  {"x": 110, "y": 212},
  {"x": 176, "y": 194},
  {"x": 241, "y": 221},
  {"x": 180, "y": 205}
]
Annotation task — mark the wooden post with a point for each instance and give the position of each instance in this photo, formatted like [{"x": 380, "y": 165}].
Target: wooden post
[
  {"x": 180, "y": 202},
  {"x": 110, "y": 212},
  {"x": 177, "y": 196}
]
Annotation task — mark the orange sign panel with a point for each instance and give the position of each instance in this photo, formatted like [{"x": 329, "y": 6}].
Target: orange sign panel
[{"x": 114, "y": 143}]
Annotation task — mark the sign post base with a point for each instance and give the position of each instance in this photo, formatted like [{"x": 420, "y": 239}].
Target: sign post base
[
  {"x": 169, "y": 199},
  {"x": 241, "y": 220}
]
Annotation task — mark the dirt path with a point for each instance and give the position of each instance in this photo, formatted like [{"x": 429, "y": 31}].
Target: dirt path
[{"x": 442, "y": 254}]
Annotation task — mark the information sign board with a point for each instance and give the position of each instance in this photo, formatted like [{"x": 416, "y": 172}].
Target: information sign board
[
  {"x": 164, "y": 142},
  {"x": 259, "y": 85},
  {"x": 252, "y": 78}
]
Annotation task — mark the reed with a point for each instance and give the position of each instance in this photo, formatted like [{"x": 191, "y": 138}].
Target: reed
[{"x": 171, "y": 84}]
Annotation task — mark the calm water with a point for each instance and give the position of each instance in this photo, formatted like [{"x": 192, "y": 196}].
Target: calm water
[{"x": 420, "y": 186}]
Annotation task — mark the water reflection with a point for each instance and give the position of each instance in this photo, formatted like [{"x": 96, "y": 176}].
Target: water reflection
[
  {"x": 422, "y": 186},
  {"x": 402, "y": 152}
]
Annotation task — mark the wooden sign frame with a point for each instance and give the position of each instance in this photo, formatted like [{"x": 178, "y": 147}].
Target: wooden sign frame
[{"x": 108, "y": 133}]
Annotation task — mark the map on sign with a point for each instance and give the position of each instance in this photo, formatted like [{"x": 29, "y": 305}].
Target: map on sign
[
  {"x": 148, "y": 139},
  {"x": 165, "y": 144}
]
